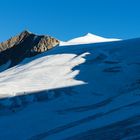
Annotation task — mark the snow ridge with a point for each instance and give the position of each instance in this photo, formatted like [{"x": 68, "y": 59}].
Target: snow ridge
[{"x": 88, "y": 38}]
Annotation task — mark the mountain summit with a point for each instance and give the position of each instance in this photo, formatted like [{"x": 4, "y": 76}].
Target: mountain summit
[
  {"x": 26, "y": 44},
  {"x": 87, "y": 39}
]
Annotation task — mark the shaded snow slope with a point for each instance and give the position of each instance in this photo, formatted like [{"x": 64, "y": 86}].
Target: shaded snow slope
[
  {"x": 88, "y": 38},
  {"x": 84, "y": 92}
]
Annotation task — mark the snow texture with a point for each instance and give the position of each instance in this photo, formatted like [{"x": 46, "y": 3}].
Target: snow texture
[{"x": 77, "y": 92}]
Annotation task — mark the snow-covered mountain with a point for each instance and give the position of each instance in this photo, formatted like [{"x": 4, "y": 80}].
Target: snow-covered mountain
[
  {"x": 87, "y": 39},
  {"x": 88, "y": 91}
]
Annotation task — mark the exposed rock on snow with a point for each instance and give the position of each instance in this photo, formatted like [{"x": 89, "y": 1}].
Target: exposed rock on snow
[{"x": 25, "y": 45}]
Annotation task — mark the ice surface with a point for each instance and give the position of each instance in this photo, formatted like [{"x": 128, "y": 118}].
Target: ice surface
[{"x": 77, "y": 92}]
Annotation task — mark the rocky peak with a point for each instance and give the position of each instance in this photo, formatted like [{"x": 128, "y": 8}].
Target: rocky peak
[
  {"x": 13, "y": 41},
  {"x": 26, "y": 44},
  {"x": 25, "y": 33}
]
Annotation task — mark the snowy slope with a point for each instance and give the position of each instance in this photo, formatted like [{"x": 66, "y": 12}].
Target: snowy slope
[
  {"x": 77, "y": 92},
  {"x": 87, "y": 39}
]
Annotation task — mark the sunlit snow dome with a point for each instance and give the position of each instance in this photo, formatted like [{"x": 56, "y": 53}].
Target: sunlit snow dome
[{"x": 88, "y": 38}]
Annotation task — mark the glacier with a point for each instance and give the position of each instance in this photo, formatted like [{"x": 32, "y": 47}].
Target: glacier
[{"x": 74, "y": 92}]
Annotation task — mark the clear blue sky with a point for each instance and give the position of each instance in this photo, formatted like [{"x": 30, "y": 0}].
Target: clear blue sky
[{"x": 66, "y": 19}]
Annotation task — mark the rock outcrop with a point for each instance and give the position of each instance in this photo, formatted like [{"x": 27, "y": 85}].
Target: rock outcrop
[{"x": 25, "y": 45}]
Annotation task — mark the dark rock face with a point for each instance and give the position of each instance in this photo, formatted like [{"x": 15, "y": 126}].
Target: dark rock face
[{"x": 25, "y": 45}]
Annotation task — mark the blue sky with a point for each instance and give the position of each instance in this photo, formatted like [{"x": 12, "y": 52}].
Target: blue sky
[{"x": 66, "y": 19}]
